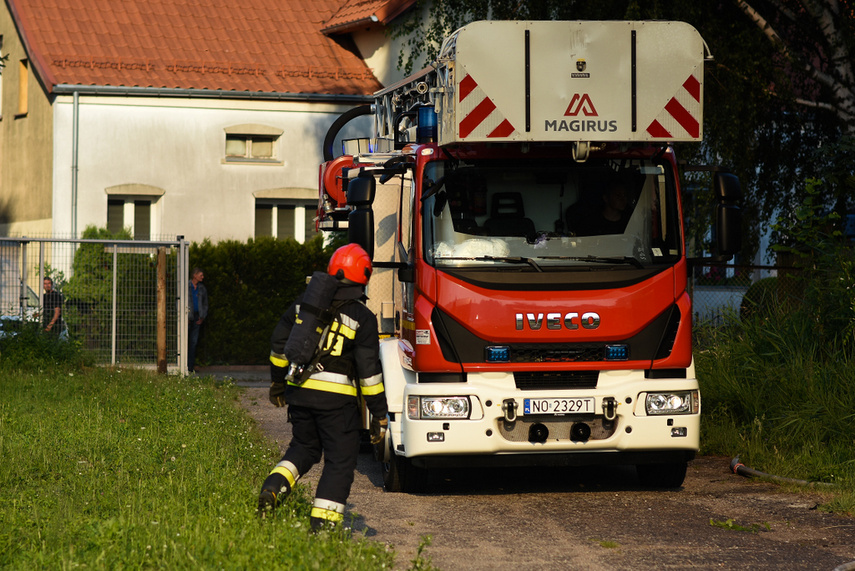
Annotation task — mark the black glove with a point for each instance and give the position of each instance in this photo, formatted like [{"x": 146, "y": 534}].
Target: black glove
[
  {"x": 277, "y": 394},
  {"x": 377, "y": 430}
]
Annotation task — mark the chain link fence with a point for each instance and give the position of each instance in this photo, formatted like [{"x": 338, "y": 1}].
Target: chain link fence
[
  {"x": 123, "y": 300},
  {"x": 719, "y": 289}
]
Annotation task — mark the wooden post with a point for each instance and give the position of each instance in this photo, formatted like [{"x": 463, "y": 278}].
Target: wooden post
[{"x": 161, "y": 310}]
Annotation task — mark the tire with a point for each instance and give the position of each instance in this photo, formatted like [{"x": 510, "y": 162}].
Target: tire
[
  {"x": 670, "y": 475},
  {"x": 399, "y": 474}
]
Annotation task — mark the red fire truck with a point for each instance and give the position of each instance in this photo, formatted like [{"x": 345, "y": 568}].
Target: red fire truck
[{"x": 521, "y": 201}]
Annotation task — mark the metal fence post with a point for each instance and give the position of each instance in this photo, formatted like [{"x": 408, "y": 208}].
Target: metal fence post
[
  {"x": 182, "y": 285},
  {"x": 161, "y": 310},
  {"x": 114, "y": 336},
  {"x": 22, "y": 297},
  {"x": 42, "y": 269}
]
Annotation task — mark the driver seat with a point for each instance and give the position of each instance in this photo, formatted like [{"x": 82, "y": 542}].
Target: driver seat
[{"x": 507, "y": 216}]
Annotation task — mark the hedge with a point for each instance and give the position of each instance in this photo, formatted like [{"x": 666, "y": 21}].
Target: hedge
[{"x": 249, "y": 286}]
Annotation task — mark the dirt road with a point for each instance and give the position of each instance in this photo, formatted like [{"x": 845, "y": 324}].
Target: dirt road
[{"x": 589, "y": 519}]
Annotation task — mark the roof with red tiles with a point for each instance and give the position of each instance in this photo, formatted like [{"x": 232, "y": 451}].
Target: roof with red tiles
[
  {"x": 357, "y": 13},
  {"x": 254, "y": 45}
]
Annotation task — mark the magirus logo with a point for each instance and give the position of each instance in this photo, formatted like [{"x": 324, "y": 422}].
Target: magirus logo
[{"x": 581, "y": 104}]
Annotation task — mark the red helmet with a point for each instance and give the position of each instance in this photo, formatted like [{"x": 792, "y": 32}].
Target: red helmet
[{"x": 351, "y": 264}]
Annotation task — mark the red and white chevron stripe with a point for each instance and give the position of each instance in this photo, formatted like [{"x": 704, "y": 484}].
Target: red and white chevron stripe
[
  {"x": 481, "y": 118},
  {"x": 679, "y": 118}
]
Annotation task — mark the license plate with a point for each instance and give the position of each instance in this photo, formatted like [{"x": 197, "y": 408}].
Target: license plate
[{"x": 583, "y": 405}]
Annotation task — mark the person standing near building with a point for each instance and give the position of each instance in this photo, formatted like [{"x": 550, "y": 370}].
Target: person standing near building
[
  {"x": 52, "y": 313},
  {"x": 323, "y": 410},
  {"x": 198, "y": 297}
]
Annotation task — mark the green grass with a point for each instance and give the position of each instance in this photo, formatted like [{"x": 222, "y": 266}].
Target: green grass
[
  {"x": 732, "y": 525},
  {"x": 781, "y": 399},
  {"x": 125, "y": 469}
]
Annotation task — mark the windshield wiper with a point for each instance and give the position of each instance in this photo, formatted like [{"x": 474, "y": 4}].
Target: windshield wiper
[
  {"x": 599, "y": 260},
  {"x": 509, "y": 259}
]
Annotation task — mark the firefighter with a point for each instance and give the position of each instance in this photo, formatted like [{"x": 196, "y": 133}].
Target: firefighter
[{"x": 323, "y": 410}]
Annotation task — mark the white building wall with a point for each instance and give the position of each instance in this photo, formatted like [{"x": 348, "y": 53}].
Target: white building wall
[
  {"x": 178, "y": 145},
  {"x": 380, "y": 52}
]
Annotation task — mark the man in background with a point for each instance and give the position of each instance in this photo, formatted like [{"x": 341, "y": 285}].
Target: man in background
[
  {"x": 198, "y": 297},
  {"x": 52, "y": 313}
]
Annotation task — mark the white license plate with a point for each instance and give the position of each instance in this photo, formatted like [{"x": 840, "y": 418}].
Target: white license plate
[{"x": 583, "y": 405}]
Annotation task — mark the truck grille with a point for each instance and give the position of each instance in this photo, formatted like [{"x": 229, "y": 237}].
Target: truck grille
[
  {"x": 556, "y": 380},
  {"x": 556, "y": 352}
]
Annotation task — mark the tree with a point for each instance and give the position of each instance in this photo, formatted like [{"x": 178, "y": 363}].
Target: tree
[
  {"x": 814, "y": 49},
  {"x": 779, "y": 96},
  {"x": 816, "y": 37}
]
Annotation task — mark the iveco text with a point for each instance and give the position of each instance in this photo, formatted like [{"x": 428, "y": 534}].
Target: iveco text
[{"x": 571, "y": 320}]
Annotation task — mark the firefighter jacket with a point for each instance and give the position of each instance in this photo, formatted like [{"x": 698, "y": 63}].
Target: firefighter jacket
[{"x": 351, "y": 365}]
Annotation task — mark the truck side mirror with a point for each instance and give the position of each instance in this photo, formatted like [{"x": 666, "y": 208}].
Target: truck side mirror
[
  {"x": 727, "y": 188},
  {"x": 360, "y": 220},
  {"x": 361, "y": 191},
  {"x": 728, "y": 216}
]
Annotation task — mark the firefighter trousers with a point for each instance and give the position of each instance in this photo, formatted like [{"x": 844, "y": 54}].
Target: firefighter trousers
[{"x": 335, "y": 434}]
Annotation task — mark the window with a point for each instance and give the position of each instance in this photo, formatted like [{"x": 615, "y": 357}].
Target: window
[
  {"x": 23, "y": 79},
  {"x": 253, "y": 147},
  {"x": 115, "y": 215},
  {"x": 252, "y": 144},
  {"x": 142, "y": 220},
  {"x": 282, "y": 221},
  {"x": 263, "y": 220},
  {"x": 133, "y": 206},
  {"x": 132, "y": 214}
]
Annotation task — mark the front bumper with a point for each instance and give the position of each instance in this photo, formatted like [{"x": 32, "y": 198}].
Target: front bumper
[{"x": 617, "y": 433}]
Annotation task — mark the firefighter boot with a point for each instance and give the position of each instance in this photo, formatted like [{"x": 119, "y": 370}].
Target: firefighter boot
[
  {"x": 326, "y": 515},
  {"x": 276, "y": 488}
]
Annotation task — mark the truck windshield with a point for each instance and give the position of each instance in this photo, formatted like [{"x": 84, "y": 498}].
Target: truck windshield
[{"x": 542, "y": 216}]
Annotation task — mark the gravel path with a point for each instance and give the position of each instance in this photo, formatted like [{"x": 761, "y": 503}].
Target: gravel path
[{"x": 593, "y": 518}]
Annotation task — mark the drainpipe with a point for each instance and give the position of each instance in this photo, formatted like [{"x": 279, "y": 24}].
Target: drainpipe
[{"x": 75, "y": 126}]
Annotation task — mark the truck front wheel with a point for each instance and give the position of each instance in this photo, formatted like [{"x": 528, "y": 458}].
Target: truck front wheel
[
  {"x": 399, "y": 474},
  {"x": 667, "y": 475}
]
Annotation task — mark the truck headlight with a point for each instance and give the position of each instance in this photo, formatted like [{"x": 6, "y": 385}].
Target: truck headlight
[
  {"x": 437, "y": 408},
  {"x": 674, "y": 402}
]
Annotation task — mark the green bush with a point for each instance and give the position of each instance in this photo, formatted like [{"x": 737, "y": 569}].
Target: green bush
[
  {"x": 30, "y": 349},
  {"x": 249, "y": 286}
]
